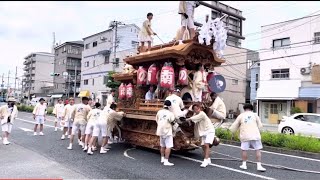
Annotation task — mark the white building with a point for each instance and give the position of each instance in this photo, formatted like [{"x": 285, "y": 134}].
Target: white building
[
  {"x": 285, "y": 69},
  {"x": 38, "y": 68},
  {"x": 98, "y": 56}
]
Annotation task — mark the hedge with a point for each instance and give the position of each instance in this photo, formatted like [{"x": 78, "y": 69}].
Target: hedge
[
  {"x": 290, "y": 142},
  {"x": 30, "y": 109}
]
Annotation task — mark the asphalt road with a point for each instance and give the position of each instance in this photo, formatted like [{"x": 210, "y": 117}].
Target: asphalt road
[{"x": 47, "y": 157}]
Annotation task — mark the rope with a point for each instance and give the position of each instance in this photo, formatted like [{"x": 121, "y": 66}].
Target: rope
[{"x": 232, "y": 158}]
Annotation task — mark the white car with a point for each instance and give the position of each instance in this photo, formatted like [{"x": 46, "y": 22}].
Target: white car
[{"x": 306, "y": 124}]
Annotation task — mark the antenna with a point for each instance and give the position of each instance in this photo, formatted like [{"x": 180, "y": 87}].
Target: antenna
[{"x": 54, "y": 42}]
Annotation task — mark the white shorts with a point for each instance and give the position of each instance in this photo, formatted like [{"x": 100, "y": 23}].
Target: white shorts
[
  {"x": 58, "y": 119},
  {"x": 255, "y": 144},
  {"x": 187, "y": 22},
  {"x": 6, "y": 127},
  {"x": 68, "y": 124},
  {"x": 166, "y": 141},
  {"x": 76, "y": 126},
  {"x": 207, "y": 139},
  {"x": 89, "y": 128},
  {"x": 39, "y": 119},
  {"x": 100, "y": 128}
]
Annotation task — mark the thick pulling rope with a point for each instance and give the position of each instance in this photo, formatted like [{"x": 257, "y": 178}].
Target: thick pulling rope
[{"x": 231, "y": 158}]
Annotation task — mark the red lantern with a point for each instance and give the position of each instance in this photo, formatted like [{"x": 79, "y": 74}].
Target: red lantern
[
  {"x": 122, "y": 91},
  {"x": 141, "y": 76},
  {"x": 129, "y": 91},
  {"x": 183, "y": 76},
  {"x": 153, "y": 75},
  {"x": 167, "y": 76},
  {"x": 209, "y": 76}
]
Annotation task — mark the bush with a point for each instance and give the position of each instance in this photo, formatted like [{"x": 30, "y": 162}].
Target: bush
[
  {"x": 301, "y": 143},
  {"x": 30, "y": 109},
  {"x": 295, "y": 110}
]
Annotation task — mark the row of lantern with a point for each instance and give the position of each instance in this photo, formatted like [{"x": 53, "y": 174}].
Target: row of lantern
[
  {"x": 125, "y": 91},
  {"x": 167, "y": 76}
]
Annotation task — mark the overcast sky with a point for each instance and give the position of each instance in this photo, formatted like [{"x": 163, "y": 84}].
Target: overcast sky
[{"x": 27, "y": 27}]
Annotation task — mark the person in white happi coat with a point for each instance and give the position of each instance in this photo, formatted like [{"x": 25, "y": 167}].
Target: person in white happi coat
[
  {"x": 218, "y": 108},
  {"x": 165, "y": 119},
  {"x": 39, "y": 115},
  {"x": 186, "y": 10},
  {"x": 112, "y": 120},
  {"x": 110, "y": 99},
  {"x": 146, "y": 32},
  {"x": 67, "y": 119},
  {"x": 92, "y": 117},
  {"x": 177, "y": 106},
  {"x": 58, "y": 111},
  {"x": 203, "y": 128},
  {"x": 199, "y": 83},
  {"x": 8, "y": 113}
]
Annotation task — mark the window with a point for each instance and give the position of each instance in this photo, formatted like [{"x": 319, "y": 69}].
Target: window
[
  {"x": 63, "y": 61},
  {"x": 86, "y": 64},
  {"x": 92, "y": 82},
  {"x": 235, "y": 81},
  {"x": 94, "y": 63},
  {"x": 106, "y": 59},
  {"x": 134, "y": 44},
  {"x": 257, "y": 77},
  {"x": 257, "y": 86},
  {"x": 64, "y": 49},
  {"x": 86, "y": 82},
  {"x": 117, "y": 62},
  {"x": 312, "y": 119},
  {"x": 280, "y": 73},
  {"x": 87, "y": 46},
  {"x": 273, "y": 108},
  {"x": 317, "y": 37},
  {"x": 105, "y": 79},
  {"x": 94, "y": 44},
  {"x": 281, "y": 42}
]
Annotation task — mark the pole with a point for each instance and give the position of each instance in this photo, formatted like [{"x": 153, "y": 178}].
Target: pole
[
  {"x": 30, "y": 73},
  {"x": 68, "y": 86},
  {"x": 2, "y": 86},
  {"x": 15, "y": 82},
  {"x": 75, "y": 82},
  {"x": 8, "y": 84},
  {"x": 115, "y": 45}
]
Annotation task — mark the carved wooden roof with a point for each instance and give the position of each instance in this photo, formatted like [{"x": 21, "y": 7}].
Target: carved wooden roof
[{"x": 188, "y": 52}]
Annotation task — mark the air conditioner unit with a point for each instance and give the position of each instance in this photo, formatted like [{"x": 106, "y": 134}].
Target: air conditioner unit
[
  {"x": 102, "y": 38},
  {"x": 305, "y": 71}
]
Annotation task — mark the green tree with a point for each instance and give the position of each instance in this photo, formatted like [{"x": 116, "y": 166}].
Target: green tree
[{"x": 111, "y": 83}]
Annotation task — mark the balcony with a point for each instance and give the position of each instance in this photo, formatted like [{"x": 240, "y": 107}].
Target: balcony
[{"x": 28, "y": 61}]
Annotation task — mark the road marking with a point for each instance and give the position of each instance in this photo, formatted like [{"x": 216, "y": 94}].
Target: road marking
[
  {"x": 32, "y": 122},
  {"x": 126, "y": 154},
  {"x": 227, "y": 168},
  {"x": 25, "y": 129},
  {"x": 299, "y": 157}
]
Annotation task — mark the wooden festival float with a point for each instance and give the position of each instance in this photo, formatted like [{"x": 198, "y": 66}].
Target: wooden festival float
[{"x": 166, "y": 66}]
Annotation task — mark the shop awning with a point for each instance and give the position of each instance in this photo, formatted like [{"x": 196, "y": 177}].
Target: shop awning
[
  {"x": 278, "y": 90},
  {"x": 84, "y": 94},
  {"x": 57, "y": 96},
  {"x": 309, "y": 93}
]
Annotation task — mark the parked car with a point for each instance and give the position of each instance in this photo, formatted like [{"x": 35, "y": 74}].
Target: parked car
[{"x": 306, "y": 124}]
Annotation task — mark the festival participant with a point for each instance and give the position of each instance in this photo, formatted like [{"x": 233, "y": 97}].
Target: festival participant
[
  {"x": 146, "y": 33},
  {"x": 67, "y": 119},
  {"x": 249, "y": 124},
  {"x": 80, "y": 121},
  {"x": 112, "y": 120},
  {"x": 204, "y": 129},
  {"x": 150, "y": 95},
  {"x": 110, "y": 99},
  {"x": 92, "y": 117},
  {"x": 165, "y": 119},
  {"x": 199, "y": 83},
  {"x": 58, "y": 112},
  {"x": 39, "y": 115},
  {"x": 177, "y": 106},
  {"x": 218, "y": 108},
  {"x": 186, "y": 10},
  {"x": 8, "y": 113}
]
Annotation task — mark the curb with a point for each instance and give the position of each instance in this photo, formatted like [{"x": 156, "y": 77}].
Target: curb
[{"x": 280, "y": 150}]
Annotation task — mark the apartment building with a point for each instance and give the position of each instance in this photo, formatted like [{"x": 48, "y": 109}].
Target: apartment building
[{"x": 98, "y": 58}]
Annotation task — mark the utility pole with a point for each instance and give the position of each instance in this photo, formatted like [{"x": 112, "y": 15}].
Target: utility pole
[
  {"x": 75, "y": 82},
  {"x": 15, "y": 82},
  {"x": 8, "y": 83},
  {"x": 2, "y": 86},
  {"x": 115, "y": 25},
  {"x": 30, "y": 73}
]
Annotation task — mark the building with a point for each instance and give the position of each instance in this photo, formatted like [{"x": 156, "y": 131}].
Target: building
[
  {"x": 288, "y": 77},
  {"x": 67, "y": 64},
  {"x": 98, "y": 58},
  {"x": 37, "y": 69}
]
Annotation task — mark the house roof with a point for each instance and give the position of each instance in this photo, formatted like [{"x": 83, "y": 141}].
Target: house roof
[
  {"x": 110, "y": 29},
  {"x": 69, "y": 42},
  {"x": 290, "y": 20}
]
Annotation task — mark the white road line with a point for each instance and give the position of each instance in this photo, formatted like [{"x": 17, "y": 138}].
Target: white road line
[
  {"x": 279, "y": 154},
  {"x": 227, "y": 168},
  {"x": 25, "y": 129},
  {"x": 32, "y": 122},
  {"x": 126, "y": 154}
]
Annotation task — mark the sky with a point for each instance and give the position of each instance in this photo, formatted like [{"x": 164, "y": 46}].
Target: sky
[{"x": 27, "y": 27}]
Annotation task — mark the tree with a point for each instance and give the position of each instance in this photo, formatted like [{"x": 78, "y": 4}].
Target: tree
[{"x": 111, "y": 83}]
